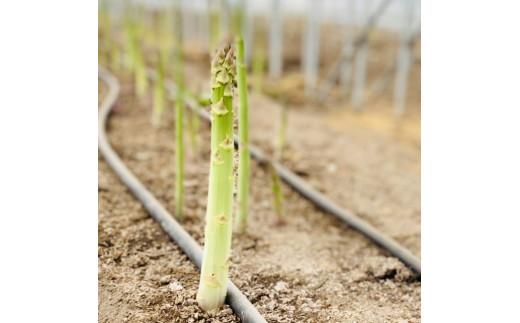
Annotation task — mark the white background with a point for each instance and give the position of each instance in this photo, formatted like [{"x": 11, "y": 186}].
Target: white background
[{"x": 470, "y": 161}]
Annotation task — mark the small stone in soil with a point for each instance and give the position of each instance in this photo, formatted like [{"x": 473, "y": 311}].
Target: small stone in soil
[
  {"x": 142, "y": 156},
  {"x": 175, "y": 287},
  {"x": 280, "y": 286},
  {"x": 332, "y": 168}
]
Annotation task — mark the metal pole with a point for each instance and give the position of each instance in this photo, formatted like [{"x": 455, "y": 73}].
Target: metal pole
[
  {"x": 224, "y": 19},
  {"x": 203, "y": 25},
  {"x": 382, "y": 83},
  {"x": 247, "y": 32},
  {"x": 275, "y": 41},
  {"x": 360, "y": 69},
  {"x": 335, "y": 71},
  {"x": 346, "y": 66},
  {"x": 403, "y": 62},
  {"x": 187, "y": 21},
  {"x": 311, "y": 42}
]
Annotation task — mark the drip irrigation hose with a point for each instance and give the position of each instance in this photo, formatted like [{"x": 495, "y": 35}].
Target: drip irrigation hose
[
  {"x": 324, "y": 203},
  {"x": 320, "y": 200},
  {"x": 238, "y": 301}
]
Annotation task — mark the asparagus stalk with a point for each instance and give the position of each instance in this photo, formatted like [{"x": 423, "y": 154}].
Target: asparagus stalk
[
  {"x": 258, "y": 64},
  {"x": 179, "y": 107},
  {"x": 129, "y": 30},
  {"x": 194, "y": 125},
  {"x": 141, "y": 82},
  {"x": 137, "y": 62},
  {"x": 243, "y": 132},
  {"x": 163, "y": 35},
  {"x": 277, "y": 193},
  {"x": 217, "y": 235},
  {"x": 282, "y": 133},
  {"x": 114, "y": 54},
  {"x": 159, "y": 92}
]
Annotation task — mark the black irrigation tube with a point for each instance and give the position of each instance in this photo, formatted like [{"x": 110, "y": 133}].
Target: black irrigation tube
[
  {"x": 320, "y": 200},
  {"x": 238, "y": 301}
]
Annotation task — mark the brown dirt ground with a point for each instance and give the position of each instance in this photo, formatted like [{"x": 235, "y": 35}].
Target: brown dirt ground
[
  {"x": 314, "y": 269},
  {"x": 359, "y": 167},
  {"x": 142, "y": 275},
  {"x": 369, "y": 163}
]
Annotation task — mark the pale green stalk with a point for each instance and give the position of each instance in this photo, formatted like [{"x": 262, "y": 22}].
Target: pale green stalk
[
  {"x": 179, "y": 107},
  {"x": 129, "y": 33},
  {"x": 258, "y": 68},
  {"x": 136, "y": 60},
  {"x": 141, "y": 82},
  {"x": 164, "y": 37},
  {"x": 282, "y": 133},
  {"x": 194, "y": 125},
  {"x": 219, "y": 216},
  {"x": 108, "y": 33},
  {"x": 276, "y": 188},
  {"x": 243, "y": 133},
  {"x": 159, "y": 92},
  {"x": 201, "y": 100}
]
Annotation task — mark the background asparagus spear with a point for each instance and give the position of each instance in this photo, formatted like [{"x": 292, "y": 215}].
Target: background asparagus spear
[
  {"x": 276, "y": 188},
  {"x": 159, "y": 92},
  {"x": 258, "y": 64},
  {"x": 243, "y": 151},
  {"x": 179, "y": 107},
  {"x": 194, "y": 125},
  {"x": 141, "y": 82},
  {"x": 282, "y": 133}
]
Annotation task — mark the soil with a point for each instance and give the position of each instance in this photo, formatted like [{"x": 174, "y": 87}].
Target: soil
[
  {"x": 313, "y": 269},
  {"x": 369, "y": 163},
  {"x": 361, "y": 168},
  {"x": 142, "y": 275}
]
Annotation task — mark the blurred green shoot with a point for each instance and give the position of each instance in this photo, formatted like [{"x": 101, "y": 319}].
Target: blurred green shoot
[
  {"x": 276, "y": 189},
  {"x": 280, "y": 142}
]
